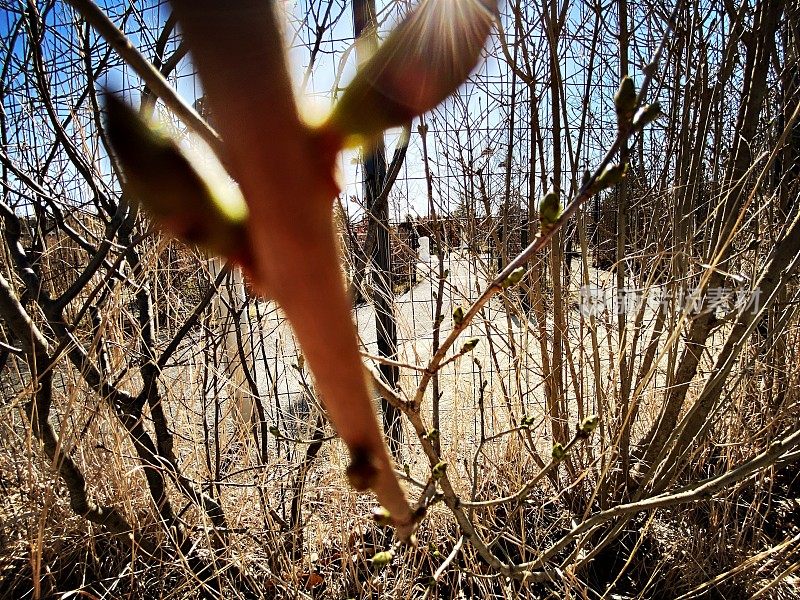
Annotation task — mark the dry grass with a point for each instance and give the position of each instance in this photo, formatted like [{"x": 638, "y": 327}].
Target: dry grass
[
  {"x": 224, "y": 472},
  {"x": 729, "y": 546}
]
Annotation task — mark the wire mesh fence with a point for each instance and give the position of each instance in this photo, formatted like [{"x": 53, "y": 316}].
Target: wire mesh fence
[
  {"x": 115, "y": 296},
  {"x": 492, "y": 150}
]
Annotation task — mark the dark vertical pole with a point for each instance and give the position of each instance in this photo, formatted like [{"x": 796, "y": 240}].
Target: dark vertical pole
[{"x": 374, "y": 165}]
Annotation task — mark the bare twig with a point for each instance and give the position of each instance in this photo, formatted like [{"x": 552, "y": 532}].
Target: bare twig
[{"x": 145, "y": 69}]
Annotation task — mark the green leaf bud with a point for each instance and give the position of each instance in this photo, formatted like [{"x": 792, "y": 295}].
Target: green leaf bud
[
  {"x": 193, "y": 199},
  {"x": 424, "y": 60},
  {"x": 646, "y": 115},
  {"x": 559, "y": 453},
  {"x": 625, "y": 101},
  {"x": 382, "y": 516},
  {"x": 382, "y": 559},
  {"x": 549, "y": 210},
  {"x": 588, "y": 425},
  {"x": 458, "y": 316},
  {"x": 469, "y": 345},
  {"x": 439, "y": 470},
  {"x": 432, "y": 435},
  {"x": 611, "y": 176},
  {"x": 514, "y": 277}
]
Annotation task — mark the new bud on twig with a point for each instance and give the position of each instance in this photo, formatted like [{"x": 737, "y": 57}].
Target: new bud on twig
[
  {"x": 559, "y": 453},
  {"x": 382, "y": 559},
  {"x": 424, "y": 60},
  {"x": 273, "y": 429},
  {"x": 610, "y": 177},
  {"x": 438, "y": 471},
  {"x": 469, "y": 345},
  {"x": 549, "y": 210},
  {"x": 191, "y": 198},
  {"x": 646, "y": 115},
  {"x": 527, "y": 421},
  {"x": 625, "y": 102},
  {"x": 458, "y": 316},
  {"x": 432, "y": 435},
  {"x": 587, "y": 426},
  {"x": 382, "y": 516},
  {"x": 514, "y": 277}
]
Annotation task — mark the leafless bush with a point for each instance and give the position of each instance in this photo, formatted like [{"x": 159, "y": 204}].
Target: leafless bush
[{"x": 162, "y": 436}]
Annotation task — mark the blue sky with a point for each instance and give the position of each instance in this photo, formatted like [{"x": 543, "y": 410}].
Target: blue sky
[{"x": 485, "y": 98}]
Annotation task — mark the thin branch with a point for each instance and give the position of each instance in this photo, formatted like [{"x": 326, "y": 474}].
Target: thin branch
[{"x": 148, "y": 73}]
